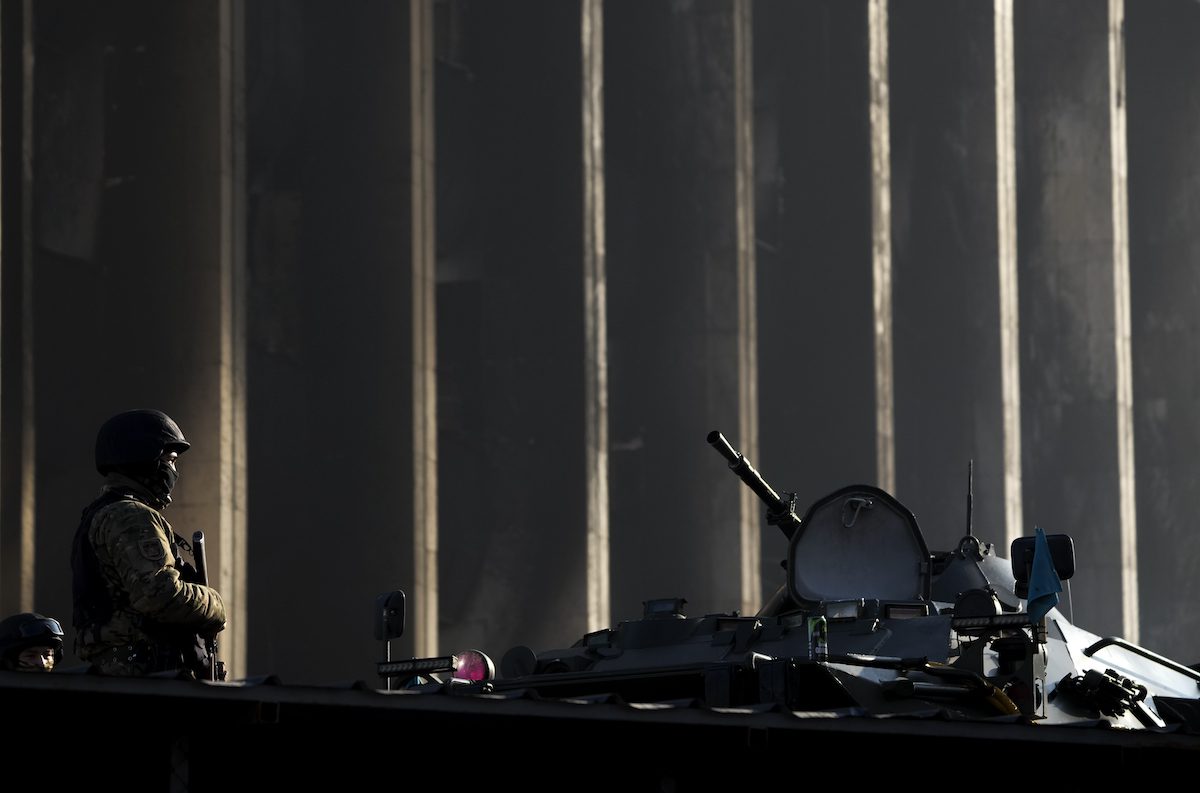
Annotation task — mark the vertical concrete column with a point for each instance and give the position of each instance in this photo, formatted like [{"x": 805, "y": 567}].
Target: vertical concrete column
[
  {"x": 595, "y": 317},
  {"x": 135, "y": 184},
  {"x": 1071, "y": 182},
  {"x": 881, "y": 242},
  {"x": 1006, "y": 267},
  {"x": 749, "y": 505},
  {"x": 424, "y": 330},
  {"x": 18, "y": 549},
  {"x": 816, "y": 385},
  {"x": 228, "y": 573},
  {"x": 516, "y": 337},
  {"x": 944, "y": 249},
  {"x": 1164, "y": 201},
  {"x": 330, "y": 154},
  {"x": 674, "y": 283}
]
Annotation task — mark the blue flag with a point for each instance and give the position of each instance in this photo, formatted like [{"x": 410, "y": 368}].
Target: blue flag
[{"x": 1044, "y": 585}]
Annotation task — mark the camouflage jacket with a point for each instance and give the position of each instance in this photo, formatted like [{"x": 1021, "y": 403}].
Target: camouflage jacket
[{"x": 157, "y": 612}]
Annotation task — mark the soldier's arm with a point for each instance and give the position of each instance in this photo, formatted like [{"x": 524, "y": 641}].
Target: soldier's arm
[{"x": 136, "y": 540}]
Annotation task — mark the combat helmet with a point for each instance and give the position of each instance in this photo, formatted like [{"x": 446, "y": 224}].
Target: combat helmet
[
  {"x": 28, "y": 629},
  {"x": 137, "y": 437}
]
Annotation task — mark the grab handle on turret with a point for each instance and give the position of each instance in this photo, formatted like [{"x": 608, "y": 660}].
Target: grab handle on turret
[{"x": 781, "y": 512}]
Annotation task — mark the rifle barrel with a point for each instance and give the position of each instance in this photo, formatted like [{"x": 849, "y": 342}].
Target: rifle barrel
[
  {"x": 210, "y": 645},
  {"x": 198, "y": 555}
]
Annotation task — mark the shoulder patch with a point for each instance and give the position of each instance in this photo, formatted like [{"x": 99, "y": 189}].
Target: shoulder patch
[{"x": 152, "y": 549}]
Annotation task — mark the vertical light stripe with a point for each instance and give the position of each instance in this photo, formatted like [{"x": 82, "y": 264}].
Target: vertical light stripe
[
  {"x": 1121, "y": 327},
  {"x": 3, "y": 258},
  {"x": 28, "y": 417},
  {"x": 231, "y": 577},
  {"x": 424, "y": 371},
  {"x": 1006, "y": 256},
  {"x": 881, "y": 249},
  {"x": 747, "y": 364},
  {"x": 595, "y": 316}
]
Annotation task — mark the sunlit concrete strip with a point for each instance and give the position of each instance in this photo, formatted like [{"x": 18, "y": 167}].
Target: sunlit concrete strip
[
  {"x": 595, "y": 318},
  {"x": 1006, "y": 256},
  {"x": 1121, "y": 324},
  {"x": 3, "y": 258},
  {"x": 881, "y": 249},
  {"x": 424, "y": 367},
  {"x": 28, "y": 417},
  {"x": 749, "y": 519},
  {"x": 230, "y": 579}
]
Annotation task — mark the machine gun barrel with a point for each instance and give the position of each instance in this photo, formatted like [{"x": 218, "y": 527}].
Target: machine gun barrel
[{"x": 780, "y": 512}]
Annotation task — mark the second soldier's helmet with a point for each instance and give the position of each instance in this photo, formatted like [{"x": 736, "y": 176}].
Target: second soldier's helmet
[
  {"x": 22, "y": 631},
  {"x": 136, "y": 438}
]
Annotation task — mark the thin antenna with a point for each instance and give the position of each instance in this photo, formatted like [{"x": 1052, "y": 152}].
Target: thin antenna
[{"x": 970, "y": 494}]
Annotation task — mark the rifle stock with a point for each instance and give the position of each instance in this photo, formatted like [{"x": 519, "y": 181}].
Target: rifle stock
[{"x": 215, "y": 667}]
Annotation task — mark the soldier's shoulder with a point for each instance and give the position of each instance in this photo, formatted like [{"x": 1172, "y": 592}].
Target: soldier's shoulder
[{"x": 125, "y": 512}]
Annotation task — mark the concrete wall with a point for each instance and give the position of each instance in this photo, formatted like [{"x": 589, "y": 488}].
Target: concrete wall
[
  {"x": 945, "y": 276},
  {"x": 223, "y": 220},
  {"x": 512, "y": 515},
  {"x": 329, "y": 344},
  {"x": 670, "y": 154},
  {"x": 1065, "y": 271},
  {"x": 1164, "y": 199},
  {"x": 816, "y": 367}
]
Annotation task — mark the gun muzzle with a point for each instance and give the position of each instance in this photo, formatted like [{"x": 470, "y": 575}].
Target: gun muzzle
[
  {"x": 779, "y": 511},
  {"x": 721, "y": 445}
]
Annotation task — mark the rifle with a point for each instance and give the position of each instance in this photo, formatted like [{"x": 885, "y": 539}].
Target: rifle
[{"x": 216, "y": 669}]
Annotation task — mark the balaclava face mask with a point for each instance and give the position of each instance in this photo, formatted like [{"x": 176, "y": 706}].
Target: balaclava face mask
[
  {"x": 159, "y": 477},
  {"x": 163, "y": 481}
]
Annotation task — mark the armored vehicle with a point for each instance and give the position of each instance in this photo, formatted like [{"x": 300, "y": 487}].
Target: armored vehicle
[{"x": 871, "y": 623}]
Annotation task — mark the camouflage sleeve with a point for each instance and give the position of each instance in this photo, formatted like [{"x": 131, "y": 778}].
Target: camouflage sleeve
[{"x": 134, "y": 540}]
